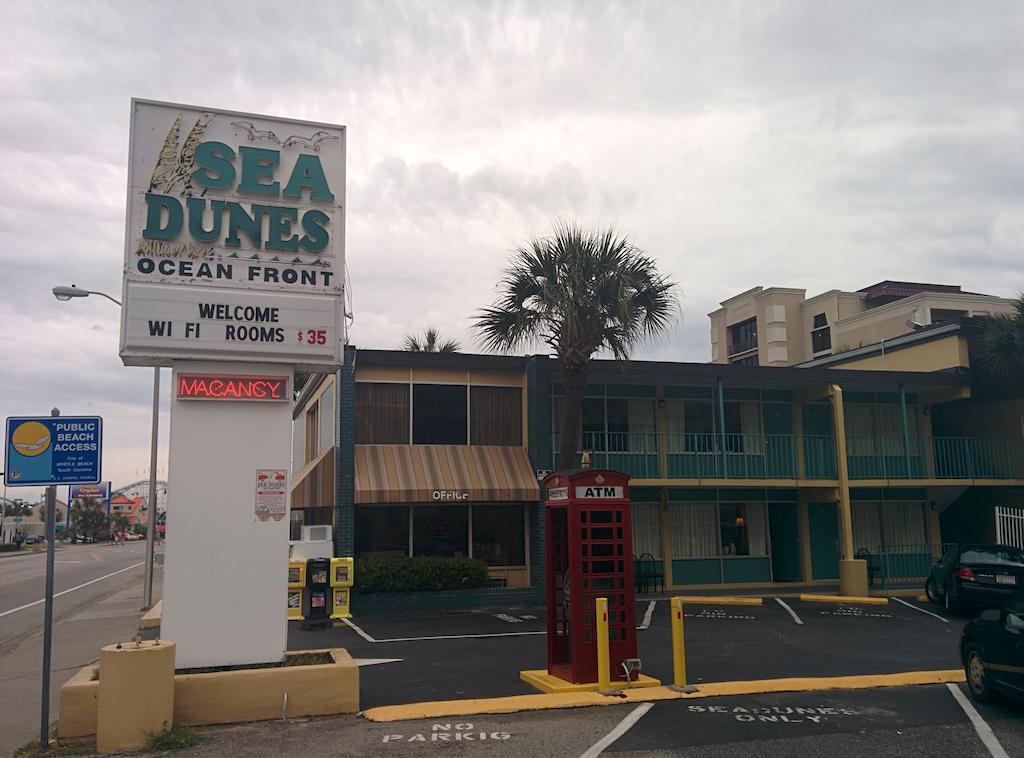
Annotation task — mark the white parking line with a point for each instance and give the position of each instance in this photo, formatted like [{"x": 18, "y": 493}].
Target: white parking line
[
  {"x": 358, "y": 630},
  {"x": 647, "y": 616},
  {"x": 789, "y": 610},
  {"x": 624, "y": 726},
  {"x": 916, "y": 608},
  {"x": 985, "y": 733},
  {"x": 73, "y": 589}
]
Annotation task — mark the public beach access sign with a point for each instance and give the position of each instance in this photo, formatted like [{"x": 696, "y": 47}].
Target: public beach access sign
[
  {"x": 43, "y": 450},
  {"x": 234, "y": 238}
]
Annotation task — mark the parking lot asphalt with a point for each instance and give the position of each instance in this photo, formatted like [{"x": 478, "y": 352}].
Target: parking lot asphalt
[
  {"x": 909, "y": 721},
  {"x": 474, "y": 654}
]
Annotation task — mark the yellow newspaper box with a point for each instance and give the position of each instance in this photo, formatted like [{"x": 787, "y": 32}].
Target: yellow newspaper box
[
  {"x": 342, "y": 576},
  {"x": 296, "y": 585}
]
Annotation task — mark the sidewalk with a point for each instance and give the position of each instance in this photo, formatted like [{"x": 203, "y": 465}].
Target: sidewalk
[{"x": 77, "y": 639}]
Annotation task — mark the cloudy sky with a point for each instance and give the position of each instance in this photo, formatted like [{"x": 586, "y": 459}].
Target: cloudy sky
[{"x": 815, "y": 145}]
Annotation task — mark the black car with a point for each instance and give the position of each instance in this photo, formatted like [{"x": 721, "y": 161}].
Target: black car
[
  {"x": 992, "y": 651},
  {"x": 976, "y": 576}
]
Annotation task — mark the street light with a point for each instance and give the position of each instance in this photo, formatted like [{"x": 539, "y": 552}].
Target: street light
[{"x": 65, "y": 294}]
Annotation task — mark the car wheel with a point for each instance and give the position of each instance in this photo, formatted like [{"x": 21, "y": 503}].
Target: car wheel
[
  {"x": 932, "y": 591},
  {"x": 978, "y": 681}
]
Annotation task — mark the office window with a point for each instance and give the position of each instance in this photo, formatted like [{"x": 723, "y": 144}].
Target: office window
[
  {"x": 440, "y": 530},
  {"x": 694, "y": 530},
  {"x": 743, "y": 336},
  {"x": 382, "y": 532},
  {"x": 382, "y": 414},
  {"x": 496, "y": 416},
  {"x": 499, "y": 534},
  {"x": 439, "y": 414}
]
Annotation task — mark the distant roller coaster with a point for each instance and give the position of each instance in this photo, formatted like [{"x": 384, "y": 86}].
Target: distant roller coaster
[{"x": 141, "y": 489}]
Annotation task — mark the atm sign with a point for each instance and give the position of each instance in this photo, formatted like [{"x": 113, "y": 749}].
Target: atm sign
[
  {"x": 600, "y": 493},
  {"x": 231, "y": 387}
]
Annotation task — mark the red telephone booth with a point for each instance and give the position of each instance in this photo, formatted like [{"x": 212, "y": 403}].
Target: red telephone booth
[{"x": 589, "y": 555}]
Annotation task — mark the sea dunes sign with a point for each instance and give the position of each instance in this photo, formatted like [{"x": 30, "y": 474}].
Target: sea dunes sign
[{"x": 235, "y": 238}]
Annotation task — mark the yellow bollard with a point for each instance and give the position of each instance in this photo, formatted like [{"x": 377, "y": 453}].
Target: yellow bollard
[
  {"x": 604, "y": 673},
  {"x": 678, "y": 651}
]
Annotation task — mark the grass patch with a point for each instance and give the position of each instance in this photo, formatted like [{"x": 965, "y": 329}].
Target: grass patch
[
  {"x": 173, "y": 738},
  {"x": 303, "y": 659},
  {"x": 56, "y": 749},
  {"x": 95, "y": 675}
]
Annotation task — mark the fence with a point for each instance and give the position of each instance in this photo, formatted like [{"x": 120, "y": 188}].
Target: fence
[
  {"x": 904, "y": 565},
  {"x": 1010, "y": 526}
]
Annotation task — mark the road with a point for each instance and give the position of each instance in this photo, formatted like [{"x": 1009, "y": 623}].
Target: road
[
  {"x": 23, "y": 582},
  {"x": 98, "y": 594}
]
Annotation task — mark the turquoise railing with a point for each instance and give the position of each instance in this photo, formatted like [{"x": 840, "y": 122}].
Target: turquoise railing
[
  {"x": 902, "y": 565},
  {"x": 648, "y": 455},
  {"x": 934, "y": 458}
]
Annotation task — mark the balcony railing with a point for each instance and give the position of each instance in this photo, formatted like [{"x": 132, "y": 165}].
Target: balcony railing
[
  {"x": 934, "y": 458},
  {"x": 648, "y": 455}
]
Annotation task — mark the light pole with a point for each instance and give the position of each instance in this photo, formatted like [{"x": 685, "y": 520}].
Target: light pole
[{"x": 66, "y": 293}]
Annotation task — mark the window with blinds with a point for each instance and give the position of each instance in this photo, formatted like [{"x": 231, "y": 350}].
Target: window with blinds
[
  {"x": 646, "y": 529},
  {"x": 382, "y": 413},
  {"x": 496, "y": 416}
]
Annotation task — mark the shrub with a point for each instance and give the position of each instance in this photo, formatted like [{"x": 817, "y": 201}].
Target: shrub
[{"x": 426, "y": 574}]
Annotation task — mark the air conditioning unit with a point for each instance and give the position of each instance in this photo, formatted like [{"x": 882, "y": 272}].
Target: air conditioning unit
[
  {"x": 319, "y": 533},
  {"x": 542, "y": 472}
]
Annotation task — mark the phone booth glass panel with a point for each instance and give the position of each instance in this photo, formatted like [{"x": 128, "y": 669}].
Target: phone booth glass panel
[{"x": 589, "y": 555}]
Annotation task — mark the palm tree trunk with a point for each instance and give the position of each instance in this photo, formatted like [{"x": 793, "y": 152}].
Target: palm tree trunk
[{"x": 574, "y": 375}]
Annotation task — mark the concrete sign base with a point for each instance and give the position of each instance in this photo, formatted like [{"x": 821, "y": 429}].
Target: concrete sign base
[{"x": 225, "y": 569}]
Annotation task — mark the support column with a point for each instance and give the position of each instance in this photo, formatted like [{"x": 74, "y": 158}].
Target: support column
[
  {"x": 853, "y": 574},
  {"x": 666, "y": 537},
  {"x": 345, "y": 456},
  {"x": 906, "y": 433},
  {"x": 721, "y": 427}
]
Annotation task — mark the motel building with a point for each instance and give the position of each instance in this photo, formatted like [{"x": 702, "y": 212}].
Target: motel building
[{"x": 735, "y": 468}]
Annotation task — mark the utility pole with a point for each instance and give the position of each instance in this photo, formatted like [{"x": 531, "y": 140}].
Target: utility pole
[
  {"x": 51, "y": 531},
  {"x": 147, "y": 599}
]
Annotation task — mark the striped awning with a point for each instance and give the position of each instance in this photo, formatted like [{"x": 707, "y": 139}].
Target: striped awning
[{"x": 443, "y": 473}]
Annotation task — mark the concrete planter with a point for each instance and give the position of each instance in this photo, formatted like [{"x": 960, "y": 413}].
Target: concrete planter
[{"x": 224, "y": 697}]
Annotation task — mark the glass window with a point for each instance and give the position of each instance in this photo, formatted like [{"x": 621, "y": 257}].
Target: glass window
[
  {"x": 743, "y": 336},
  {"x": 743, "y": 528},
  {"x": 496, "y": 416},
  {"x": 439, "y": 414},
  {"x": 382, "y": 532},
  {"x": 820, "y": 320},
  {"x": 821, "y": 340},
  {"x": 499, "y": 534},
  {"x": 750, "y": 360},
  {"x": 440, "y": 530},
  {"x": 694, "y": 530},
  {"x": 312, "y": 431},
  {"x": 382, "y": 414},
  {"x": 646, "y": 529},
  {"x": 994, "y": 556}
]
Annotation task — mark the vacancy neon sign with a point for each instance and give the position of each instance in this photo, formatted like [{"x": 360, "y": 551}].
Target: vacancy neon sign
[{"x": 231, "y": 387}]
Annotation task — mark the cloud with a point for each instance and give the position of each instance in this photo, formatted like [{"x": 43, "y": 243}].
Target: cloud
[{"x": 740, "y": 143}]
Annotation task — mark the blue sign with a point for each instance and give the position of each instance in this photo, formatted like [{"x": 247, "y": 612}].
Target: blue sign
[{"x": 45, "y": 450}]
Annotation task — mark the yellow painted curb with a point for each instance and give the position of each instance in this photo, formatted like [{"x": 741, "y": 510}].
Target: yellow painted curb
[
  {"x": 151, "y": 618},
  {"x": 518, "y": 703},
  {"x": 720, "y": 600},
  {"x": 844, "y": 599},
  {"x": 922, "y": 598},
  {"x": 545, "y": 682}
]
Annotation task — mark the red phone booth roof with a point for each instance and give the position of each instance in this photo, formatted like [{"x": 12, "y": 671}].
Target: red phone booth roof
[{"x": 563, "y": 485}]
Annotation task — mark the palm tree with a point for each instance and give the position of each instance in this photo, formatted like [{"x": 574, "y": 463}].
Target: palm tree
[
  {"x": 1000, "y": 351},
  {"x": 431, "y": 343},
  {"x": 579, "y": 291}
]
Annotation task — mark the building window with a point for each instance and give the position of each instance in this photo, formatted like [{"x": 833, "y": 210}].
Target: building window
[
  {"x": 439, "y": 414},
  {"x": 440, "y": 530},
  {"x": 647, "y": 529},
  {"x": 709, "y": 530},
  {"x": 616, "y": 425},
  {"x": 821, "y": 334},
  {"x": 382, "y": 532},
  {"x": 750, "y": 360},
  {"x": 312, "y": 431},
  {"x": 382, "y": 414},
  {"x": 743, "y": 336},
  {"x": 496, "y": 415},
  {"x": 499, "y": 533},
  {"x": 945, "y": 315}
]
